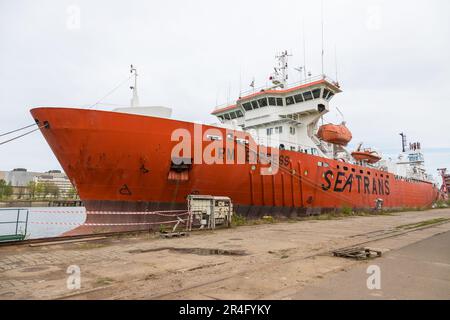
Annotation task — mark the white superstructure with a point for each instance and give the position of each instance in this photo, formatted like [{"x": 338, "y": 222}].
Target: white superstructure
[
  {"x": 288, "y": 116},
  {"x": 285, "y": 116}
]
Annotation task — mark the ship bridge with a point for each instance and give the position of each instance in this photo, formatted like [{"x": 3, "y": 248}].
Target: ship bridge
[{"x": 284, "y": 116}]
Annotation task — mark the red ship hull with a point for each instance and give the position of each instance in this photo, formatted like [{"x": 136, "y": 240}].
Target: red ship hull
[{"x": 122, "y": 163}]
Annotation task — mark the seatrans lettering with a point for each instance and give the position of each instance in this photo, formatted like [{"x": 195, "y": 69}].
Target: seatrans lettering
[{"x": 340, "y": 182}]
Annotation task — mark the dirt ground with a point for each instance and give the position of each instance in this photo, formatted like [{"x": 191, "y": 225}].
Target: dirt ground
[{"x": 270, "y": 261}]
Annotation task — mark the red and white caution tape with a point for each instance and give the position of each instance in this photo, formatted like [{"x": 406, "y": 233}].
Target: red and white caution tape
[
  {"x": 58, "y": 211},
  {"x": 104, "y": 224},
  {"x": 172, "y": 213}
]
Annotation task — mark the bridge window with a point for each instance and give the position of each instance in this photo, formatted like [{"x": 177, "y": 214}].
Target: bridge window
[
  {"x": 239, "y": 113},
  {"x": 330, "y": 96},
  {"x": 233, "y": 115},
  {"x": 272, "y": 101},
  {"x": 298, "y": 98},
  {"x": 226, "y": 116},
  {"x": 289, "y": 101},
  {"x": 247, "y": 106},
  {"x": 316, "y": 93},
  {"x": 325, "y": 93},
  {"x": 255, "y": 105},
  {"x": 307, "y": 95},
  {"x": 262, "y": 102},
  {"x": 279, "y": 102}
]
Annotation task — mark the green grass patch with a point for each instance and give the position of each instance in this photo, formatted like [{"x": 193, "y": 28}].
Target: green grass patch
[
  {"x": 441, "y": 204},
  {"x": 422, "y": 223},
  {"x": 90, "y": 245},
  {"x": 346, "y": 211},
  {"x": 238, "y": 220},
  {"x": 104, "y": 281}
]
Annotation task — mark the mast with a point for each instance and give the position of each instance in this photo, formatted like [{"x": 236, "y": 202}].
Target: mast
[
  {"x": 135, "y": 99},
  {"x": 280, "y": 77},
  {"x": 403, "y": 142}
]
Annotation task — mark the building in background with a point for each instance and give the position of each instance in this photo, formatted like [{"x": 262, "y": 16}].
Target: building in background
[
  {"x": 57, "y": 178},
  {"x": 27, "y": 184}
]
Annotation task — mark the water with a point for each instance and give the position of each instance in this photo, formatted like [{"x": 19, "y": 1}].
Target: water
[{"x": 42, "y": 222}]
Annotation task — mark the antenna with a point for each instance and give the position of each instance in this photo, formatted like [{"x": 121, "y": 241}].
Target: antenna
[
  {"x": 252, "y": 84},
  {"x": 135, "y": 99},
  {"x": 240, "y": 82},
  {"x": 300, "y": 71},
  {"x": 336, "y": 63},
  {"x": 322, "y": 36},
  {"x": 304, "y": 49}
]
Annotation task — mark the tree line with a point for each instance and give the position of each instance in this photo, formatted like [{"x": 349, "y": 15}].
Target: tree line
[{"x": 35, "y": 190}]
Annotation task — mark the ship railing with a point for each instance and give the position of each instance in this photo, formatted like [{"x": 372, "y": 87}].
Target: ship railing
[
  {"x": 15, "y": 218},
  {"x": 246, "y": 93}
]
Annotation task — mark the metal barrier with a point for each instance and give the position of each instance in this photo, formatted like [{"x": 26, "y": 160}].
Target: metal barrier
[{"x": 17, "y": 235}]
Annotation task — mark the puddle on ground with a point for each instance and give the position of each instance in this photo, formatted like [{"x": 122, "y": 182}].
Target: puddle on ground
[
  {"x": 198, "y": 251},
  {"x": 34, "y": 271}
]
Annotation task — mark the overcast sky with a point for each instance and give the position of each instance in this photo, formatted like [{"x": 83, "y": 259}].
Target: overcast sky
[{"x": 393, "y": 62}]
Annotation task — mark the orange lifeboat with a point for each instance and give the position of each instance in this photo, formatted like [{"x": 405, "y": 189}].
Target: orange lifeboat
[
  {"x": 336, "y": 134},
  {"x": 367, "y": 155}
]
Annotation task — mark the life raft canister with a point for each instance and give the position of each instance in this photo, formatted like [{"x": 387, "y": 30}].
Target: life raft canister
[{"x": 336, "y": 134}]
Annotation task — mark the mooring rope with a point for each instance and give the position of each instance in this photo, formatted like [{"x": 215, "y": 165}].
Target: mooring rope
[
  {"x": 22, "y": 135},
  {"x": 16, "y": 130}
]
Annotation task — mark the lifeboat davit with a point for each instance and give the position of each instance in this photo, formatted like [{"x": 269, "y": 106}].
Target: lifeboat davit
[
  {"x": 368, "y": 156},
  {"x": 336, "y": 134}
]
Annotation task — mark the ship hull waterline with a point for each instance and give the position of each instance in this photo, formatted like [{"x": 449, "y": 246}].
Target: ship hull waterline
[{"x": 122, "y": 164}]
